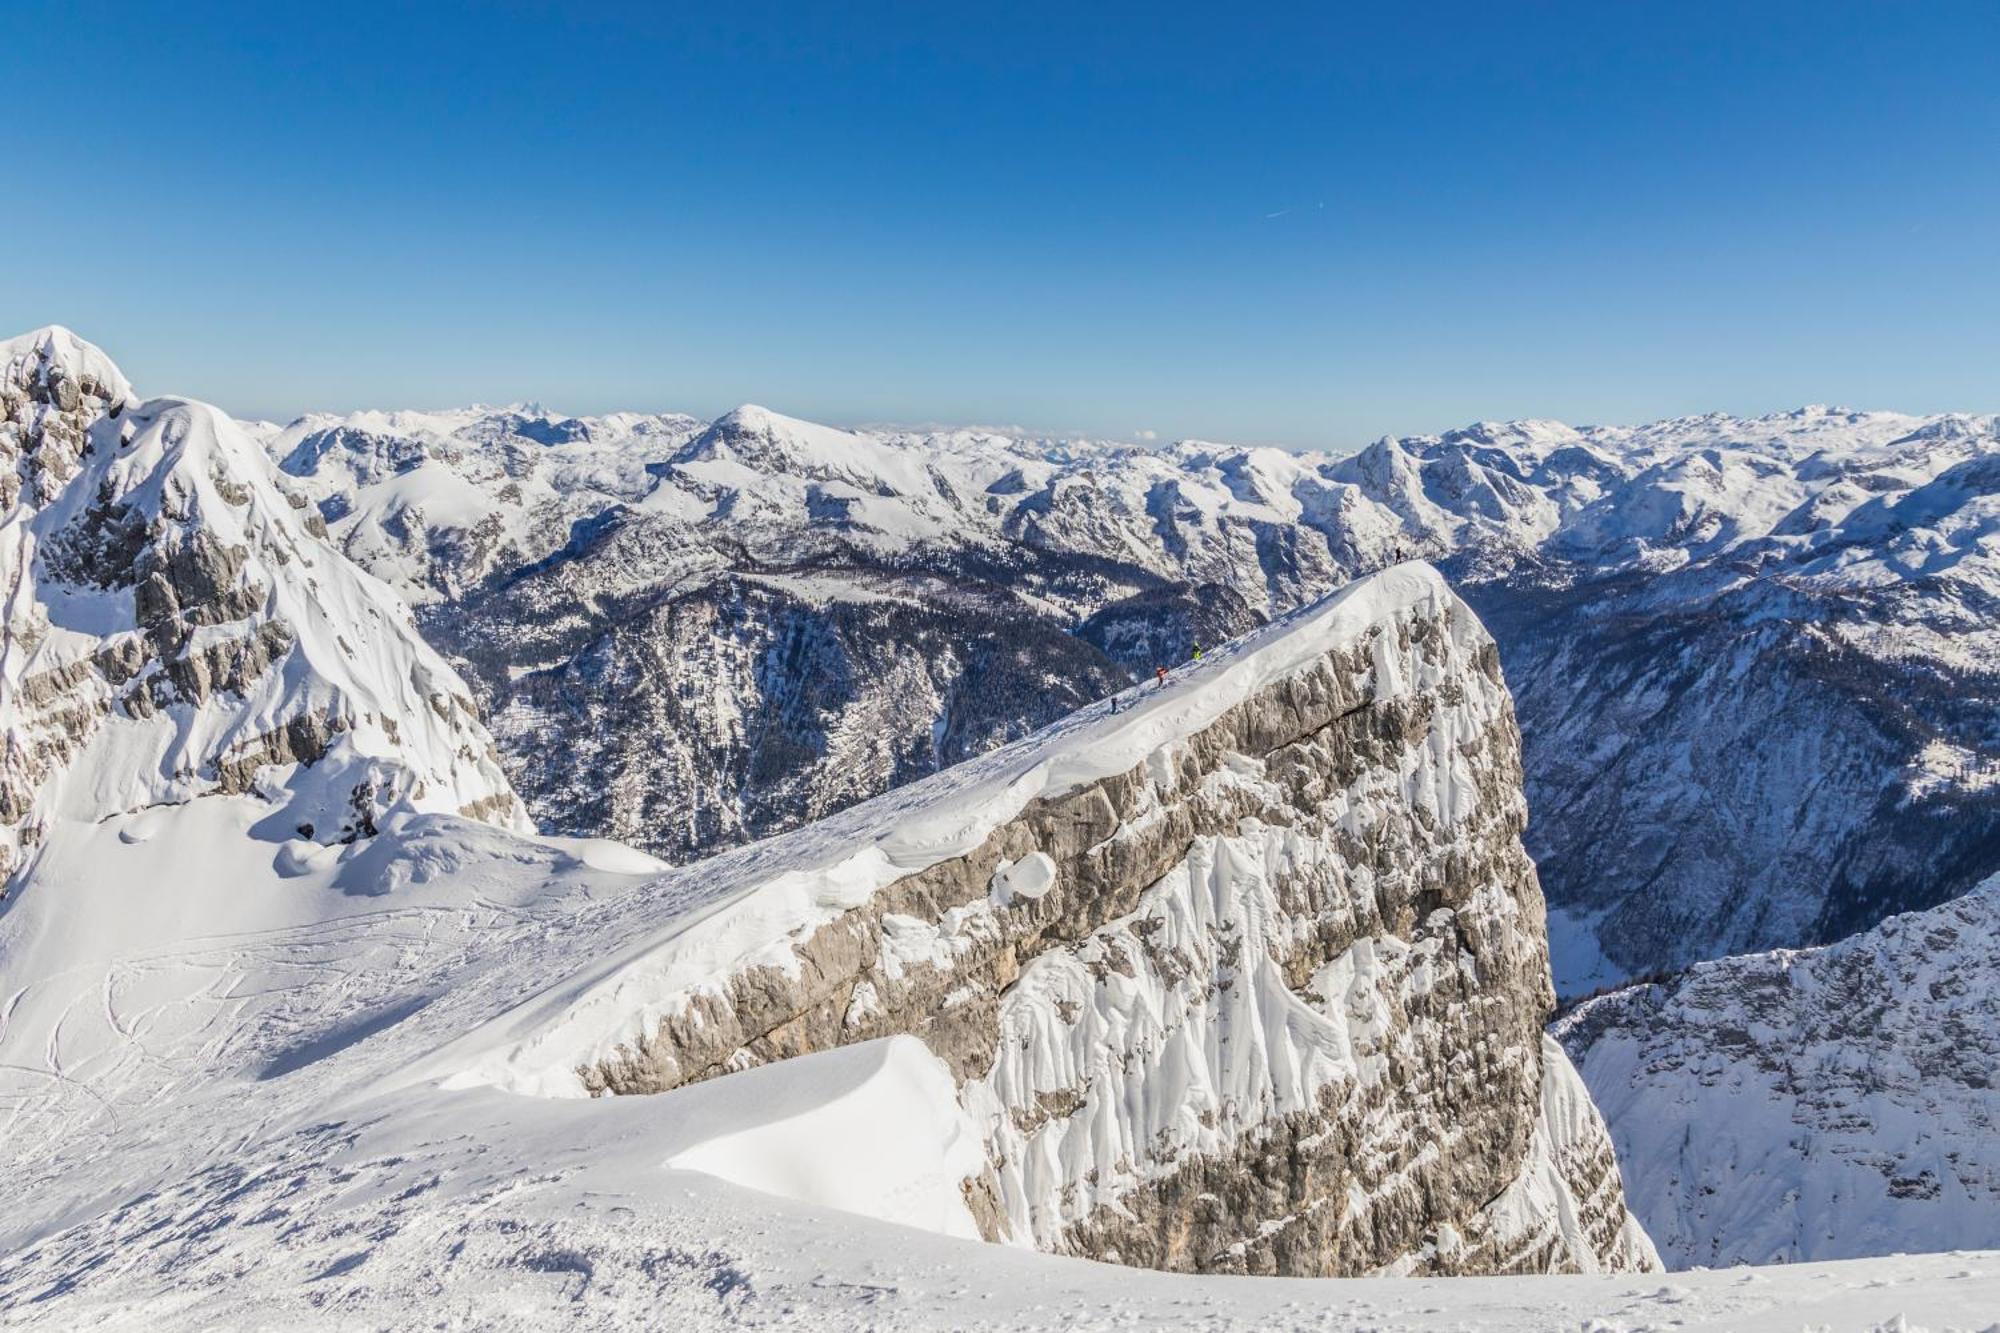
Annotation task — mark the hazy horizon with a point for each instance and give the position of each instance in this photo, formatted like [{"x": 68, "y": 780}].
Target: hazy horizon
[{"x": 1144, "y": 438}]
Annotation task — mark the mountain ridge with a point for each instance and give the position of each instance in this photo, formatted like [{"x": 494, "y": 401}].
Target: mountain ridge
[{"x": 1839, "y": 555}]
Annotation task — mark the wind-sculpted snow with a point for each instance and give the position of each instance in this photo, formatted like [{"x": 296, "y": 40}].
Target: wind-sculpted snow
[
  {"x": 1750, "y": 655},
  {"x": 1247, "y": 976},
  {"x": 175, "y": 627},
  {"x": 1812, "y": 1105}
]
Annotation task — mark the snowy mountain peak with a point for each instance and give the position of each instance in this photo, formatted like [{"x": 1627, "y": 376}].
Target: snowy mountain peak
[
  {"x": 751, "y": 419},
  {"x": 175, "y": 625},
  {"x": 52, "y": 355},
  {"x": 745, "y": 449},
  {"x": 758, "y": 435}
]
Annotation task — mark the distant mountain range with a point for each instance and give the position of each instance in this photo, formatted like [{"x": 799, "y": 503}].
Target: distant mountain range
[{"x": 1754, "y": 658}]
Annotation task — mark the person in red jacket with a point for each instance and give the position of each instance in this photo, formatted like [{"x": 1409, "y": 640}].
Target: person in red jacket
[{"x": 1161, "y": 673}]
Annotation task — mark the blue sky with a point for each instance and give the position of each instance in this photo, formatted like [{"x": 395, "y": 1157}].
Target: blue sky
[{"x": 1304, "y": 226}]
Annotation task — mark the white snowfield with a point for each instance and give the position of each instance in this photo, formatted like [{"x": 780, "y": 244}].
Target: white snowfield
[{"x": 253, "y": 1082}]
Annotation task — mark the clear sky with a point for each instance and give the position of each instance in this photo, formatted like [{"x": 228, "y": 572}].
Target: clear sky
[{"x": 1255, "y": 223}]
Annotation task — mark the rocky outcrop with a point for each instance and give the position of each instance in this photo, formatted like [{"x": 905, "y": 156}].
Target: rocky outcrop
[
  {"x": 174, "y": 627},
  {"x": 1265, "y": 997}
]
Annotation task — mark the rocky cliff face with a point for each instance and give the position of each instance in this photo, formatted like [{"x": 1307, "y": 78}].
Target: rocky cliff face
[
  {"x": 1821, "y": 1104},
  {"x": 176, "y": 626},
  {"x": 1247, "y": 976}
]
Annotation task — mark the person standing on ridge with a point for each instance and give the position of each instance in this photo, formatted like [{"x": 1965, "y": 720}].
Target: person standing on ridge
[
  {"x": 1161, "y": 673},
  {"x": 1197, "y": 652}
]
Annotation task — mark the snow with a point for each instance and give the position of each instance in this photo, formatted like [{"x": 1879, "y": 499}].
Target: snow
[
  {"x": 1030, "y": 877},
  {"x": 1575, "y": 955},
  {"x": 347, "y": 658},
  {"x": 890, "y": 1106},
  {"x": 54, "y": 348},
  {"x": 250, "y": 1080},
  {"x": 207, "y": 1124}
]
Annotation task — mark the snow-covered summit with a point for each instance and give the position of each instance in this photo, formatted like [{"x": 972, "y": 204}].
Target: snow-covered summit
[
  {"x": 52, "y": 354},
  {"x": 176, "y": 625}
]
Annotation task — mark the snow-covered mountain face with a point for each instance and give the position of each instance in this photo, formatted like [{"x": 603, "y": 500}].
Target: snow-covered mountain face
[
  {"x": 1248, "y": 975},
  {"x": 1792, "y": 1106},
  {"x": 176, "y": 627},
  {"x": 1749, "y": 654},
  {"x": 1759, "y": 723}
]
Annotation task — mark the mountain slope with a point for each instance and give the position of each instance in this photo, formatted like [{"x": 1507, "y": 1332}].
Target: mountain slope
[
  {"x": 176, "y": 628},
  {"x": 1791, "y": 1106}
]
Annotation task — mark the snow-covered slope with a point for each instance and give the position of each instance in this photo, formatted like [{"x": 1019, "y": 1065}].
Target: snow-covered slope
[
  {"x": 175, "y": 627},
  {"x": 1812, "y": 1105},
  {"x": 1749, "y": 654}
]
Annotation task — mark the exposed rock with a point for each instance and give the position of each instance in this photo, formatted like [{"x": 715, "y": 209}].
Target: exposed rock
[
  {"x": 1269, "y": 1000},
  {"x": 165, "y": 598}
]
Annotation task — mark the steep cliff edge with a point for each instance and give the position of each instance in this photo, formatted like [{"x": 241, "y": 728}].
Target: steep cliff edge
[{"x": 1248, "y": 975}]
